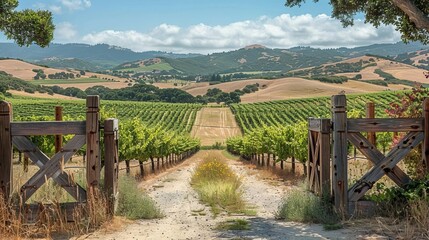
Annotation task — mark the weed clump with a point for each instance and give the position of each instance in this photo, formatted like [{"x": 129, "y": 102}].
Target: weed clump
[
  {"x": 218, "y": 186},
  {"x": 303, "y": 206},
  {"x": 133, "y": 203}
]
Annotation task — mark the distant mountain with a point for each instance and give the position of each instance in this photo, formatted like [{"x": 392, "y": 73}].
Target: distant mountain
[
  {"x": 100, "y": 54},
  {"x": 253, "y": 58},
  {"x": 256, "y": 58}
]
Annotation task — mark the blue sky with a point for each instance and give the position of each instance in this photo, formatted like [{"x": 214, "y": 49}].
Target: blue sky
[{"x": 204, "y": 26}]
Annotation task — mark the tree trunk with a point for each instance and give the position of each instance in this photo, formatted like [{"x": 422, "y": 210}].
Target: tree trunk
[
  {"x": 274, "y": 161},
  {"x": 141, "y": 169},
  {"x": 153, "y": 164},
  {"x": 268, "y": 160},
  {"x": 282, "y": 164},
  {"x": 263, "y": 159},
  {"x": 127, "y": 166},
  {"x": 293, "y": 165}
]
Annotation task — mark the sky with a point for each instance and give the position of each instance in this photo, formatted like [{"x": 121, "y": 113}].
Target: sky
[{"x": 204, "y": 26}]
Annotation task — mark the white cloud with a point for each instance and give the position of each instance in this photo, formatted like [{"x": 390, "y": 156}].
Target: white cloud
[
  {"x": 55, "y": 9},
  {"x": 65, "y": 31},
  {"x": 283, "y": 31},
  {"x": 76, "y": 4}
]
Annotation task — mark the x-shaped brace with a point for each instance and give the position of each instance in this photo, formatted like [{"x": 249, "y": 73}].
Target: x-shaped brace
[
  {"x": 382, "y": 164},
  {"x": 50, "y": 167}
]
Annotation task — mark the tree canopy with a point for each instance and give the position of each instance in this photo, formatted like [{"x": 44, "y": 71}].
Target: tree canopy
[
  {"x": 26, "y": 26},
  {"x": 410, "y": 17}
]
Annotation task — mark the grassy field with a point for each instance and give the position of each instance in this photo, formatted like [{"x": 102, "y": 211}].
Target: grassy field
[
  {"x": 214, "y": 125},
  {"x": 68, "y": 81}
]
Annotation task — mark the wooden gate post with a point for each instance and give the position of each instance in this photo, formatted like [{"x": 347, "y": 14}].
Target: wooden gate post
[
  {"x": 58, "y": 138},
  {"x": 111, "y": 161},
  {"x": 93, "y": 163},
  {"x": 325, "y": 156},
  {"x": 339, "y": 153},
  {"x": 5, "y": 150},
  {"x": 425, "y": 148},
  {"x": 370, "y": 113}
]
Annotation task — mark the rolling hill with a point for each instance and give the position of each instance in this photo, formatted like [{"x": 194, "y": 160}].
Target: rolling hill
[
  {"x": 257, "y": 58},
  {"x": 24, "y": 70}
]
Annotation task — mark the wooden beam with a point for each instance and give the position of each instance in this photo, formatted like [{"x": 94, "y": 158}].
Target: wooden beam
[
  {"x": 339, "y": 153},
  {"x": 23, "y": 144},
  {"x": 48, "y": 128},
  {"x": 52, "y": 168},
  {"x": 5, "y": 150},
  {"x": 404, "y": 146},
  {"x": 319, "y": 125},
  {"x": 58, "y": 138},
  {"x": 370, "y": 114},
  {"x": 92, "y": 142},
  {"x": 425, "y": 148},
  {"x": 375, "y": 156},
  {"x": 385, "y": 125},
  {"x": 325, "y": 158},
  {"x": 111, "y": 162}
]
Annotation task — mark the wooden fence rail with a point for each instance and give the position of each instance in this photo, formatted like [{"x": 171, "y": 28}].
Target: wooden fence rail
[
  {"x": 87, "y": 133},
  {"x": 336, "y": 133}
]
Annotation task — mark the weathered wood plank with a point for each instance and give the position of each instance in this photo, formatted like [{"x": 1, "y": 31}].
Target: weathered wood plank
[
  {"x": 425, "y": 148},
  {"x": 5, "y": 150},
  {"x": 385, "y": 125},
  {"x": 48, "y": 128},
  {"x": 23, "y": 144},
  {"x": 92, "y": 142},
  {"x": 325, "y": 160},
  {"x": 111, "y": 161},
  {"x": 370, "y": 114},
  {"x": 319, "y": 125},
  {"x": 410, "y": 141},
  {"x": 375, "y": 156},
  {"x": 52, "y": 168},
  {"x": 339, "y": 153},
  {"x": 58, "y": 138}
]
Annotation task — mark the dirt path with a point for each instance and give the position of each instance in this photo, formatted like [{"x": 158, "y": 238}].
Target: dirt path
[
  {"x": 186, "y": 218},
  {"x": 214, "y": 125}
]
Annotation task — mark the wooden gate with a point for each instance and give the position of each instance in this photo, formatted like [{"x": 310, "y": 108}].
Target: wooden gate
[
  {"x": 85, "y": 132},
  {"x": 343, "y": 131}
]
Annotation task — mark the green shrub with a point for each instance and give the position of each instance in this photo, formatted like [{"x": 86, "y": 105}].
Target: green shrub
[
  {"x": 303, "y": 206},
  {"x": 133, "y": 203}
]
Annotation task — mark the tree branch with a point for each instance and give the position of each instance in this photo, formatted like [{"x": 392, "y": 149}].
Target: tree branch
[{"x": 416, "y": 15}]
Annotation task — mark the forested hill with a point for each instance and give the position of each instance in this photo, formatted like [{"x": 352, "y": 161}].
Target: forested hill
[{"x": 257, "y": 58}]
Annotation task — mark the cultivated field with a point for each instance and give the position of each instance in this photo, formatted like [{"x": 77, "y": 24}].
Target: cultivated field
[
  {"x": 214, "y": 125},
  {"x": 24, "y": 70}
]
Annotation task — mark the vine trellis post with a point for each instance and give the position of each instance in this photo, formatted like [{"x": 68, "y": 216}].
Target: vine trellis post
[
  {"x": 328, "y": 151},
  {"x": 16, "y": 134}
]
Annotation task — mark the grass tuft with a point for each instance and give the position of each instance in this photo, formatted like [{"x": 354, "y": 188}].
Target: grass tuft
[
  {"x": 234, "y": 224},
  {"x": 133, "y": 203},
  {"x": 218, "y": 186},
  {"x": 302, "y": 206}
]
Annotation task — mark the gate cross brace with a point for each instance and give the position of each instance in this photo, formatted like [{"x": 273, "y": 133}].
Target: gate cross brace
[
  {"x": 314, "y": 148},
  {"x": 382, "y": 164},
  {"x": 50, "y": 167}
]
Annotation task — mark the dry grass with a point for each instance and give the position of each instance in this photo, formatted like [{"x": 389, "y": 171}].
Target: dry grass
[
  {"x": 214, "y": 125},
  {"x": 217, "y": 185},
  {"x": 24, "y": 70},
  {"x": 51, "y": 219},
  {"x": 41, "y": 95}
]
